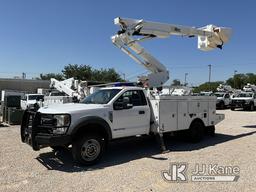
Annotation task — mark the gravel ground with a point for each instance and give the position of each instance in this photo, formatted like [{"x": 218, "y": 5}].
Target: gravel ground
[{"x": 132, "y": 165}]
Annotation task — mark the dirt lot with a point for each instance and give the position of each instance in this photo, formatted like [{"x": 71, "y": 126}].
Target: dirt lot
[{"x": 133, "y": 165}]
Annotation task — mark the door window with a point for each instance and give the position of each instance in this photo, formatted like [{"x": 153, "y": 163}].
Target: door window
[{"x": 136, "y": 97}]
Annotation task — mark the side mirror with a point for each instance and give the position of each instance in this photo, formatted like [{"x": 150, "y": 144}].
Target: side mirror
[
  {"x": 118, "y": 105},
  {"x": 126, "y": 103}
]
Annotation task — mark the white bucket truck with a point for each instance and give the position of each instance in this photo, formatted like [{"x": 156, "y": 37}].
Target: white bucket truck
[
  {"x": 246, "y": 99},
  {"x": 124, "y": 111}
]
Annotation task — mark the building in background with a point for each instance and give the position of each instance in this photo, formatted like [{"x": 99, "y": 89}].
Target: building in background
[{"x": 23, "y": 85}]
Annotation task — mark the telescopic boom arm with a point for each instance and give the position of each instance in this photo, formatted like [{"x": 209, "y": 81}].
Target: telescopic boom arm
[{"x": 209, "y": 37}]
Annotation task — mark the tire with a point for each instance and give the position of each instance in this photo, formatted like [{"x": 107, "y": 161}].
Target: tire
[
  {"x": 232, "y": 108},
  {"x": 195, "y": 132},
  {"x": 88, "y": 149},
  {"x": 210, "y": 131},
  {"x": 251, "y": 107},
  {"x": 222, "y": 105}
]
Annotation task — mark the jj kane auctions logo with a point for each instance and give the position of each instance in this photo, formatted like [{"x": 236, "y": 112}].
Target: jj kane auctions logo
[{"x": 178, "y": 172}]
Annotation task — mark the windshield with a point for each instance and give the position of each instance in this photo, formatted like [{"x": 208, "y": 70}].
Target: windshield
[
  {"x": 219, "y": 94},
  {"x": 245, "y": 95},
  {"x": 35, "y": 97},
  {"x": 102, "y": 96}
]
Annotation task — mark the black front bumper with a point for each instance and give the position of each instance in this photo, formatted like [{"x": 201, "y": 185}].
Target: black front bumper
[
  {"x": 239, "y": 104},
  {"x": 38, "y": 136}
]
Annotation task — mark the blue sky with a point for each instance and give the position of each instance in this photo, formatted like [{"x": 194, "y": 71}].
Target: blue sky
[{"x": 42, "y": 36}]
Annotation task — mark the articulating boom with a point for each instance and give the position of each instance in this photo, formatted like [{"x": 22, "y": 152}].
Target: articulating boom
[
  {"x": 225, "y": 88},
  {"x": 209, "y": 37}
]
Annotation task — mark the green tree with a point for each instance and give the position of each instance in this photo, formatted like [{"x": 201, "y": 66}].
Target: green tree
[
  {"x": 212, "y": 86},
  {"x": 239, "y": 80},
  {"x": 251, "y": 78},
  {"x": 176, "y": 82},
  {"x": 87, "y": 73},
  {"x": 81, "y": 72}
]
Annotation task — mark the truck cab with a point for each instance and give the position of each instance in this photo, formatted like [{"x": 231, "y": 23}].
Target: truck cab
[
  {"x": 107, "y": 114},
  {"x": 223, "y": 100},
  {"x": 244, "y": 100}
]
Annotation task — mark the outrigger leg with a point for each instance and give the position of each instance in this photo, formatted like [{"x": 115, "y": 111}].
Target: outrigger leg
[{"x": 160, "y": 140}]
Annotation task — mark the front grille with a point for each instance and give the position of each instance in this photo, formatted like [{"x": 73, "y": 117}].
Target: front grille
[
  {"x": 46, "y": 120},
  {"x": 44, "y": 129},
  {"x": 238, "y": 102},
  {"x": 46, "y": 124},
  {"x": 33, "y": 124}
]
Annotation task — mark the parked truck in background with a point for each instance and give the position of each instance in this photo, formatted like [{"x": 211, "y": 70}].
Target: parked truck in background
[
  {"x": 244, "y": 100},
  {"x": 223, "y": 100},
  {"x": 29, "y": 100},
  {"x": 224, "y": 94}
]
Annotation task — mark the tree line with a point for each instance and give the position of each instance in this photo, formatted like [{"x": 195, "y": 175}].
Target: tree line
[
  {"x": 84, "y": 73},
  {"x": 238, "y": 81},
  {"x": 87, "y": 73}
]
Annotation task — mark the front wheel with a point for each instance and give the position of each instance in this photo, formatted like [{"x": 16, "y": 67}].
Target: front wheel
[
  {"x": 88, "y": 149},
  {"x": 222, "y": 105}
]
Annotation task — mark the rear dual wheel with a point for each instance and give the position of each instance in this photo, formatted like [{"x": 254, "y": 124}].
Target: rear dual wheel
[
  {"x": 195, "y": 132},
  {"x": 210, "y": 130}
]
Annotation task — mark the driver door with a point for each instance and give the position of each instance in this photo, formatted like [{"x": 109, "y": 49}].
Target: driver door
[{"x": 134, "y": 120}]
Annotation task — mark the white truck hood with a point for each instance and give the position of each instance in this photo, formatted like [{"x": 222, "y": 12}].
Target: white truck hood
[{"x": 69, "y": 108}]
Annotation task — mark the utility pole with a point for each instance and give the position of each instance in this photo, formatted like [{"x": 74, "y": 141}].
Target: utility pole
[
  {"x": 210, "y": 73},
  {"x": 23, "y": 75},
  {"x": 185, "y": 82},
  {"x": 234, "y": 78},
  {"x": 123, "y": 76}
]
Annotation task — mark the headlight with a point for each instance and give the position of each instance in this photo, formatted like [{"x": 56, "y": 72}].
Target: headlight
[
  {"x": 62, "y": 120},
  {"x": 62, "y": 123}
]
